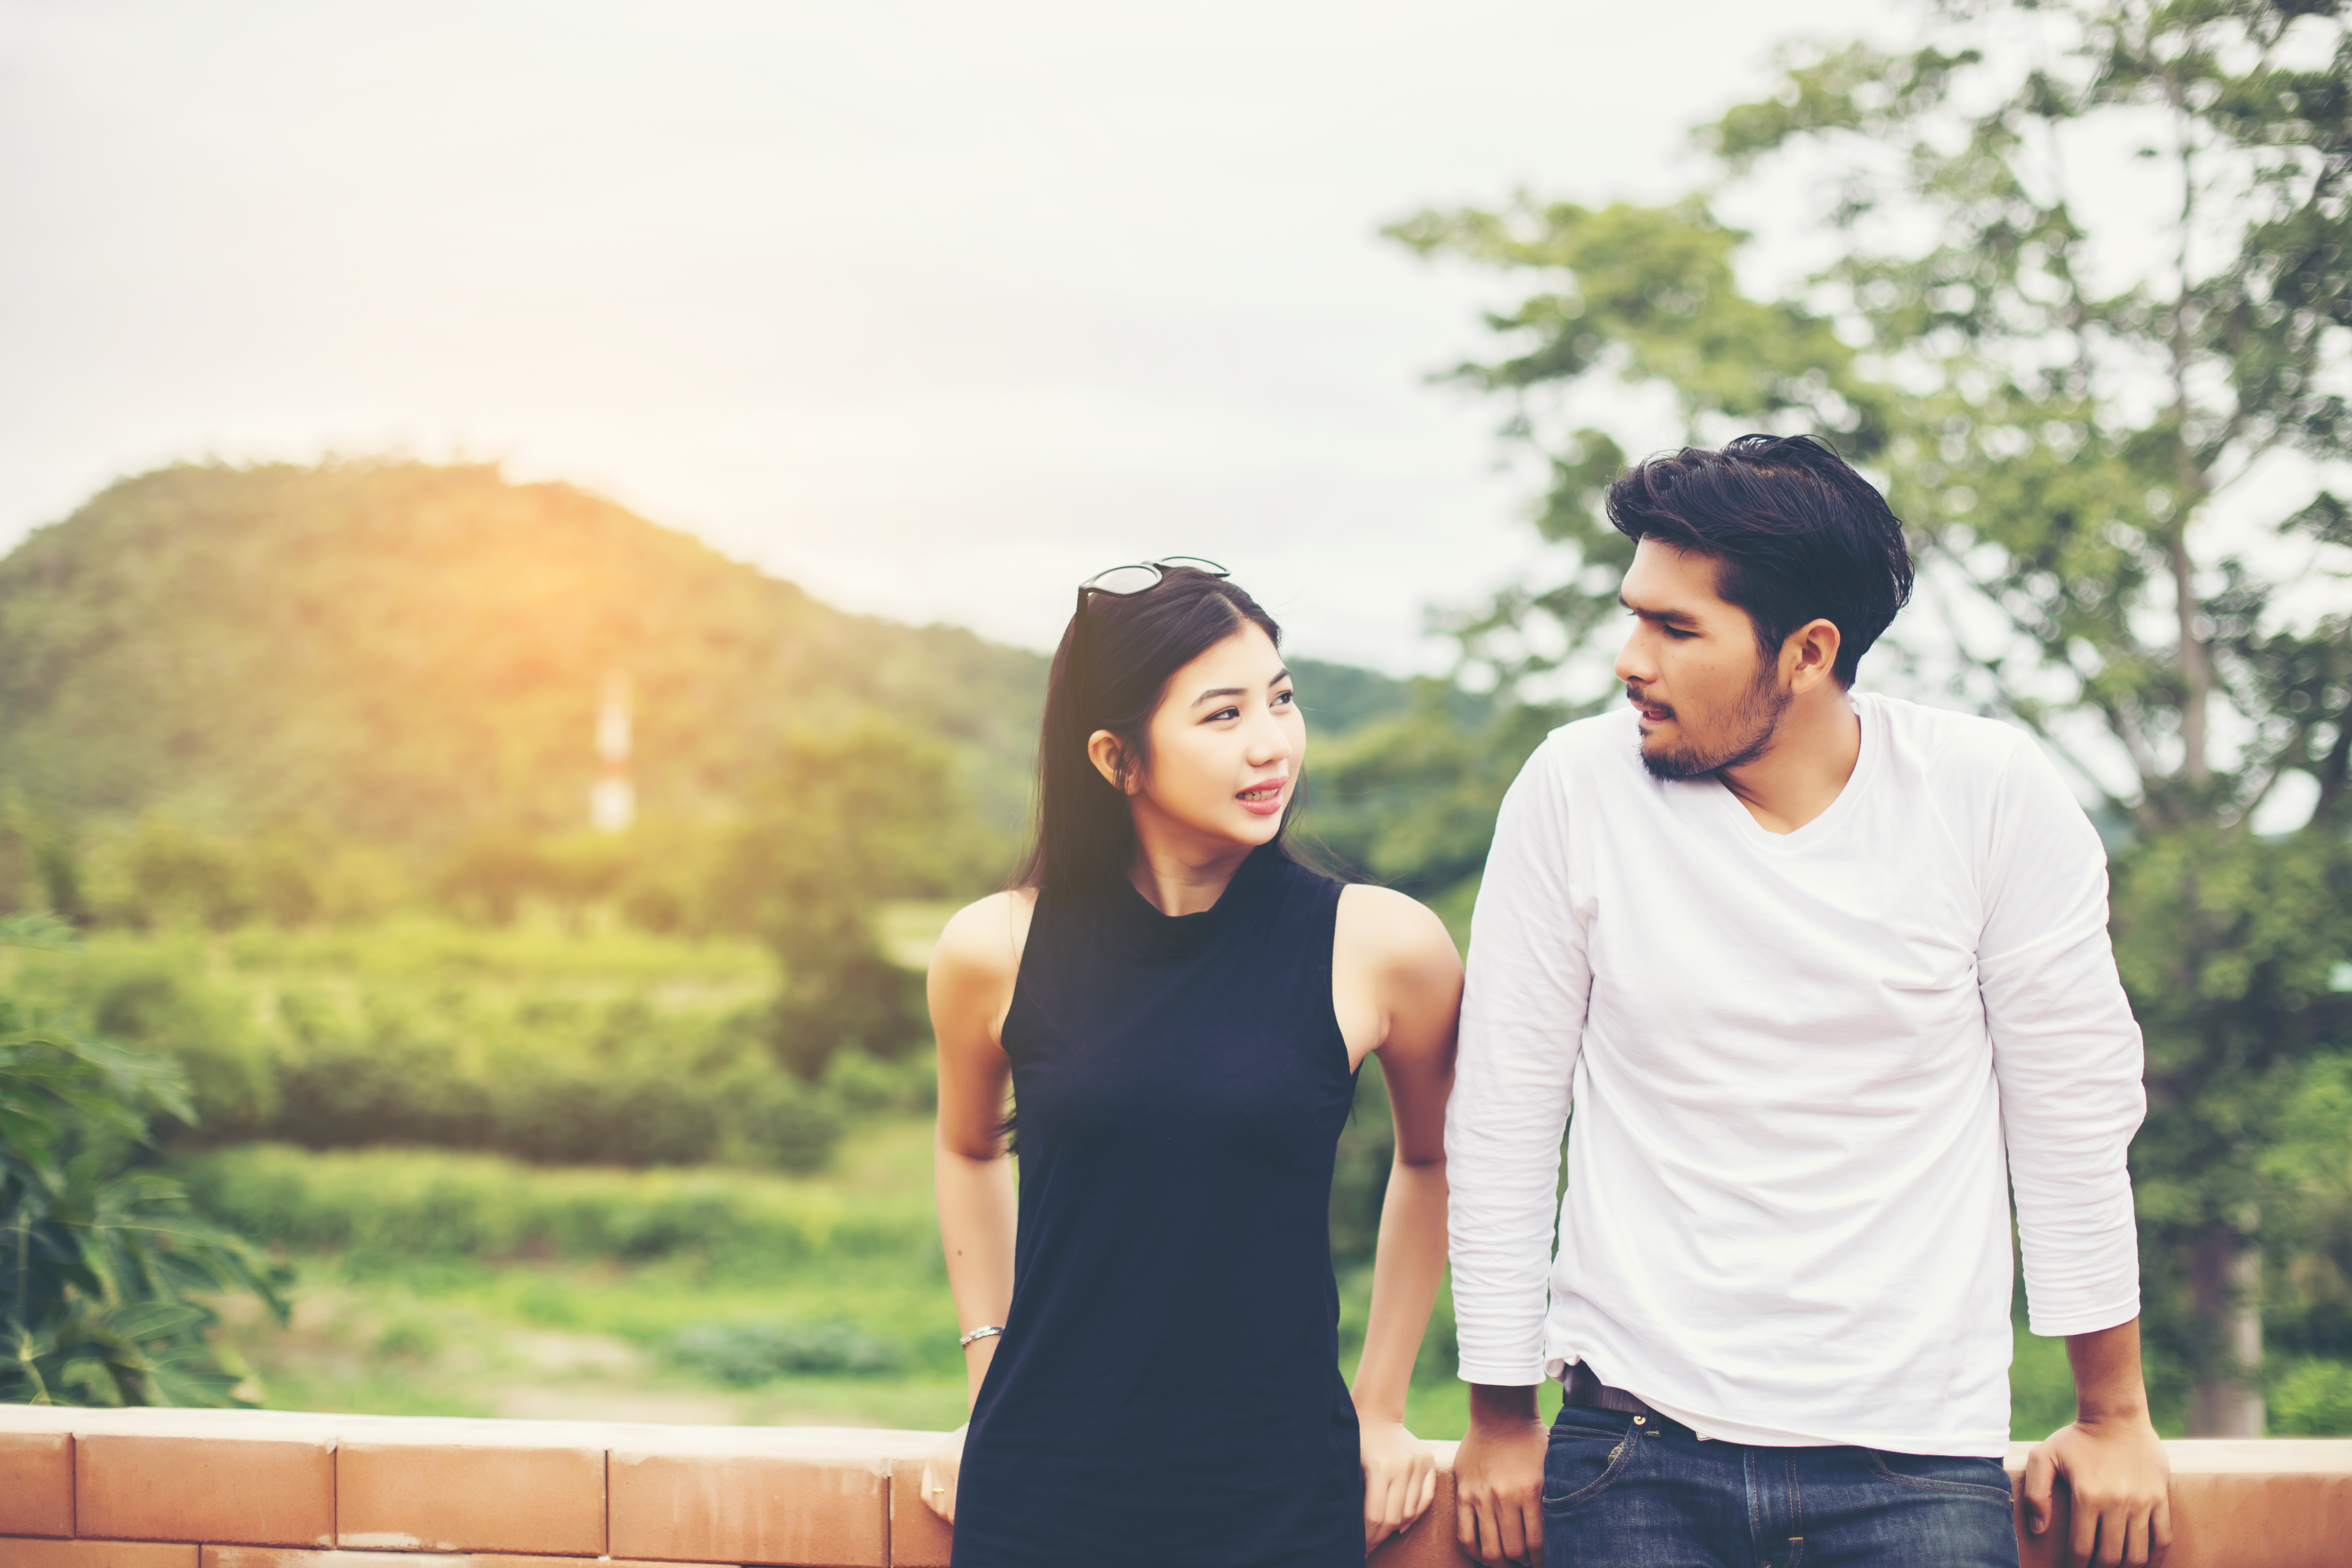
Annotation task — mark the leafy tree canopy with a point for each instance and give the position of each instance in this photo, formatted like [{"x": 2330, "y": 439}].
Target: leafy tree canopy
[{"x": 2089, "y": 426}]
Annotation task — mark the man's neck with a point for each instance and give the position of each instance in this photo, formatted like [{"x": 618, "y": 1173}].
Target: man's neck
[{"x": 1813, "y": 752}]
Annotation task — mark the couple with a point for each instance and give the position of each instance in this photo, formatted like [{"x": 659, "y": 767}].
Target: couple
[{"x": 1822, "y": 976}]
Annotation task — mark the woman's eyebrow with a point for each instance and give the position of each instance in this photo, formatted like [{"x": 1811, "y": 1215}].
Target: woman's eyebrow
[{"x": 1218, "y": 693}]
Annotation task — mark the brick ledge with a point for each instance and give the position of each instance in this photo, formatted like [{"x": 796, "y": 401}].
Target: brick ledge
[{"x": 208, "y": 1489}]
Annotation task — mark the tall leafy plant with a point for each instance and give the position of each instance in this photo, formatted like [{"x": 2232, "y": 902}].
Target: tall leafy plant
[
  {"x": 2080, "y": 427},
  {"x": 104, "y": 1269},
  {"x": 851, "y": 817}
]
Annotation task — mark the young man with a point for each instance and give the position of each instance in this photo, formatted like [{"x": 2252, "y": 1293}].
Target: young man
[{"x": 1824, "y": 975}]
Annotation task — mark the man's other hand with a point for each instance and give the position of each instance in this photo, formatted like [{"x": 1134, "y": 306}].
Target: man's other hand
[
  {"x": 2111, "y": 1457},
  {"x": 1498, "y": 1479},
  {"x": 2122, "y": 1486}
]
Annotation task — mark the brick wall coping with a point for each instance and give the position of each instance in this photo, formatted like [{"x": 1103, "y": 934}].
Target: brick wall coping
[{"x": 208, "y": 1489}]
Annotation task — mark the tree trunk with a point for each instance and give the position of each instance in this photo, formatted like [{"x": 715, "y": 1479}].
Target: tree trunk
[
  {"x": 2224, "y": 1275},
  {"x": 2196, "y": 666}
]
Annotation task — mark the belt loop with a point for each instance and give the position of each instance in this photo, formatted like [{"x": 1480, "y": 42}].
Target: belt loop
[{"x": 1584, "y": 1387}]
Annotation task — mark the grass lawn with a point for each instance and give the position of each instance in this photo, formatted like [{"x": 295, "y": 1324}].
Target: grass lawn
[
  {"x": 592, "y": 1342},
  {"x": 594, "y": 1339},
  {"x": 597, "y": 1338}
]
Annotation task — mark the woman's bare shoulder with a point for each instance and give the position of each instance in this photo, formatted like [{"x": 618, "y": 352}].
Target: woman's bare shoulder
[
  {"x": 982, "y": 941},
  {"x": 1393, "y": 932}
]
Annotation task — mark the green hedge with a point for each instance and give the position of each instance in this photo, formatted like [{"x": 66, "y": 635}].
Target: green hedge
[
  {"x": 398, "y": 1204},
  {"x": 556, "y": 1068}
]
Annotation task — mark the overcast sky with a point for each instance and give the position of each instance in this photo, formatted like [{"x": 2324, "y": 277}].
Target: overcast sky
[{"x": 934, "y": 308}]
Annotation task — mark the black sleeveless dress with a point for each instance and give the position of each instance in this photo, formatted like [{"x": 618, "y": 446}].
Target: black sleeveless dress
[{"x": 1167, "y": 1391}]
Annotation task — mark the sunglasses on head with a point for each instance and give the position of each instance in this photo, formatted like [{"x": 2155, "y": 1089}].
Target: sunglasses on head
[{"x": 1142, "y": 576}]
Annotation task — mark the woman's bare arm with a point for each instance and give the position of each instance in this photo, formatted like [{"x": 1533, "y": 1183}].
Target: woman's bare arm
[
  {"x": 1397, "y": 956},
  {"x": 971, "y": 989}
]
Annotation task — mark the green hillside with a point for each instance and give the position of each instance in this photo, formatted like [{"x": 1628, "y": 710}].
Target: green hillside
[{"x": 408, "y": 654}]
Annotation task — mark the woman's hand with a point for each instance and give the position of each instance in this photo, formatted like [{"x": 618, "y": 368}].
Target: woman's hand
[
  {"x": 1399, "y": 1480},
  {"x": 940, "y": 1471}
]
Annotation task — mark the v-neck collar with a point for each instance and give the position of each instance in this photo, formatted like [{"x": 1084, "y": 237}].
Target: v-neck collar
[{"x": 1867, "y": 714}]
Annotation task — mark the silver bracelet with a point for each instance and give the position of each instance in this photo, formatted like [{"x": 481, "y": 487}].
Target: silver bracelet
[{"x": 986, "y": 1330}]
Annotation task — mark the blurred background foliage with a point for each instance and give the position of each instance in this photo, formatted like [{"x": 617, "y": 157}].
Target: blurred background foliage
[
  {"x": 303, "y": 756},
  {"x": 550, "y": 1121},
  {"x": 105, "y": 1271},
  {"x": 2068, "y": 419}
]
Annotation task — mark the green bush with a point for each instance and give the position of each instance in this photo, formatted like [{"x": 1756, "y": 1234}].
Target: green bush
[
  {"x": 851, "y": 815},
  {"x": 606, "y": 1083},
  {"x": 744, "y": 1355},
  {"x": 868, "y": 1086},
  {"x": 106, "y": 1275},
  {"x": 2311, "y": 1396},
  {"x": 404, "y": 1205},
  {"x": 535, "y": 1063},
  {"x": 1359, "y": 1175},
  {"x": 158, "y": 998}
]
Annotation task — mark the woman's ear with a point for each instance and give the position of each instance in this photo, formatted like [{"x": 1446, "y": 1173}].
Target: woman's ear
[{"x": 1110, "y": 758}]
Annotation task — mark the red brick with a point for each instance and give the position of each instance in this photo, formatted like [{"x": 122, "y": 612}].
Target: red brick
[
  {"x": 1430, "y": 1542},
  {"x": 267, "y": 1491},
  {"x": 2282, "y": 1520},
  {"x": 36, "y": 1483},
  {"x": 411, "y": 1497},
  {"x": 18, "y": 1553},
  {"x": 302, "y": 1557},
  {"x": 751, "y": 1508},
  {"x": 918, "y": 1538},
  {"x": 511, "y": 1560}
]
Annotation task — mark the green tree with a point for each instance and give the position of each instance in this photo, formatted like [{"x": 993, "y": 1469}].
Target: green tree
[
  {"x": 2077, "y": 426},
  {"x": 853, "y": 817},
  {"x": 103, "y": 1267},
  {"x": 1410, "y": 799}
]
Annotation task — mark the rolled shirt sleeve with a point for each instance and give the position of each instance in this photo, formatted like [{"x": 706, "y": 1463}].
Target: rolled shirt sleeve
[
  {"x": 1523, "y": 1011},
  {"x": 2066, "y": 1053}
]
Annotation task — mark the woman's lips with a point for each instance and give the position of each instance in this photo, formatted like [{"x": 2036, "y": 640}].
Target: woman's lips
[{"x": 1263, "y": 800}]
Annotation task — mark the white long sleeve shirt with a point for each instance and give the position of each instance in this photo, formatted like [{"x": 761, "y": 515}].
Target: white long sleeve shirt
[{"x": 1796, "y": 1062}]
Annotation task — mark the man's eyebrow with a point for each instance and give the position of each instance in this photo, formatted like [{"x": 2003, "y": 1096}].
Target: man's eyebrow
[{"x": 1672, "y": 618}]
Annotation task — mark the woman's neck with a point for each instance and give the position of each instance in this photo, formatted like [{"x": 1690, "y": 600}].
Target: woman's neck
[{"x": 1179, "y": 874}]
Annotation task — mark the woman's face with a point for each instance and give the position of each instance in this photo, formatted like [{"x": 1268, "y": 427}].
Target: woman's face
[{"x": 1226, "y": 743}]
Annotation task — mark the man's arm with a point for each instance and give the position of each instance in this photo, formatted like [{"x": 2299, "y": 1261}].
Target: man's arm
[
  {"x": 2067, "y": 1054},
  {"x": 2110, "y": 1458},
  {"x": 1522, "y": 1024},
  {"x": 1498, "y": 1475}
]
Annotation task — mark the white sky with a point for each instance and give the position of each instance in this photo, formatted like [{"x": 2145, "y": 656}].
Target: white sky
[{"x": 935, "y": 308}]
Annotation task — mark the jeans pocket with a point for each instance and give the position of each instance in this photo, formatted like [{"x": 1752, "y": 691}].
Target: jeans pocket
[
  {"x": 1957, "y": 1475},
  {"x": 1579, "y": 1464}
]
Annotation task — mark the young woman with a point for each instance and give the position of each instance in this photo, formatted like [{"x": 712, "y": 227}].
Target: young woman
[{"x": 1178, "y": 1009}]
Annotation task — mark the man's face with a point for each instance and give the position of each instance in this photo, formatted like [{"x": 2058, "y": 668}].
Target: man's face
[{"x": 1707, "y": 700}]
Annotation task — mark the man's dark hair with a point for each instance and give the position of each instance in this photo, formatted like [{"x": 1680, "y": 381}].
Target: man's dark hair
[{"x": 1797, "y": 535}]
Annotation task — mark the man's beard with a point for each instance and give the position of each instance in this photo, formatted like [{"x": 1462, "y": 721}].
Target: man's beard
[{"x": 1754, "y": 723}]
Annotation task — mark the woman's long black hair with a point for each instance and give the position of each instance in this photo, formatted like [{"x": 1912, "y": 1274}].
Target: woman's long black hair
[{"x": 1110, "y": 673}]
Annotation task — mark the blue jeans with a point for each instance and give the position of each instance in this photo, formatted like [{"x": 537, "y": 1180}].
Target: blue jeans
[{"x": 1645, "y": 1493}]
